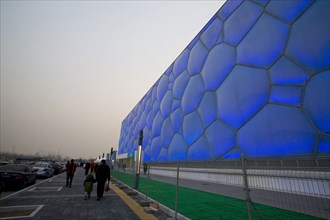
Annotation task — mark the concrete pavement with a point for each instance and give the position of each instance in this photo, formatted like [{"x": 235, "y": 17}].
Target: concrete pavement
[{"x": 51, "y": 200}]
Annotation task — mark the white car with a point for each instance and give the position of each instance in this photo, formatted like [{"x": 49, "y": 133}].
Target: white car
[{"x": 43, "y": 170}]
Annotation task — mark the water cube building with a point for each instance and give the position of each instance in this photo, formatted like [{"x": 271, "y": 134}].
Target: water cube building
[{"x": 255, "y": 81}]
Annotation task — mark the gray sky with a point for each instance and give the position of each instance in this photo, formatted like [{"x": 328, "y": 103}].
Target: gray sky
[{"x": 71, "y": 71}]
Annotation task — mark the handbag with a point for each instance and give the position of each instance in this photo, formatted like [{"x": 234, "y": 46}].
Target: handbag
[{"x": 107, "y": 187}]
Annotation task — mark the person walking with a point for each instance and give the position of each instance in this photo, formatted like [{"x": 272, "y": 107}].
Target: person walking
[
  {"x": 70, "y": 169},
  {"x": 92, "y": 165},
  {"x": 88, "y": 185},
  {"x": 87, "y": 166},
  {"x": 102, "y": 176}
]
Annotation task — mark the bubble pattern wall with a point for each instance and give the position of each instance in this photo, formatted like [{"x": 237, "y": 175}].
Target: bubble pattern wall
[{"x": 255, "y": 80}]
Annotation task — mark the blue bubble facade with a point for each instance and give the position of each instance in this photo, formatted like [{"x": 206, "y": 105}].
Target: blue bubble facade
[{"x": 255, "y": 80}]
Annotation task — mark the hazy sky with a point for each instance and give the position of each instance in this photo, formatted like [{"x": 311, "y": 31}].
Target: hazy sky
[{"x": 71, "y": 71}]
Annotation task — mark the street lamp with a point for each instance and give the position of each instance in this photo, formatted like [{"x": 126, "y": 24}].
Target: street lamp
[{"x": 138, "y": 159}]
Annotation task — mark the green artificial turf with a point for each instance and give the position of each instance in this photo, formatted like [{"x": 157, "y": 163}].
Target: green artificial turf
[{"x": 196, "y": 204}]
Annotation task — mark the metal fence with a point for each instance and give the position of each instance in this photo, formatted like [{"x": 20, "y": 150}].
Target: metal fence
[{"x": 291, "y": 188}]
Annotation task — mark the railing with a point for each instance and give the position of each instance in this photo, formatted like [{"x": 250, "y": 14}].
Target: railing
[{"x": 291, "y": 188}]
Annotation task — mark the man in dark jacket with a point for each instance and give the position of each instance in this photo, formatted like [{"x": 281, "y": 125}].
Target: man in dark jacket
[
  {"x": 70, "y": 169},
  {"x": 102, "y": 176}
]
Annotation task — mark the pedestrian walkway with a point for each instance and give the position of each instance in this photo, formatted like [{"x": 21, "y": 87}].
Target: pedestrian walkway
[{"x": 51, "y": 200}]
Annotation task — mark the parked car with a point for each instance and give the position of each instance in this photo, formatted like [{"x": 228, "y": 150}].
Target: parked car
[
  {"x": 1, "y": 185},
  {"x": 17, "y": 176},
  {"x": 62, "y": 164},
  {"x": 43, "y": 170},
  {"x": 57, "y": 168}
]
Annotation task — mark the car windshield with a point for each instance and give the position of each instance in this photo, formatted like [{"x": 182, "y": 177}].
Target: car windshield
[
  {"x": 42, "y": 165},
  {"x": 13, "y": 168}
]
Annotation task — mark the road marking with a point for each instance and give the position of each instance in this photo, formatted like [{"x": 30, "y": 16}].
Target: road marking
[
  {"x": 16, "y": 211},
  {"x": 27, "y": 188},
  {"x": 133, "y": 204}
]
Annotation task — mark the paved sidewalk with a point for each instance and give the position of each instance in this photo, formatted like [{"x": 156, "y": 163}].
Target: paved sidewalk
[{"x": 56, "y": 202}]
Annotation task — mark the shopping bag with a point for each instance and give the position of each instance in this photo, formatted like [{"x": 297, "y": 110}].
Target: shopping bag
[{"x": 107, "y": 187}]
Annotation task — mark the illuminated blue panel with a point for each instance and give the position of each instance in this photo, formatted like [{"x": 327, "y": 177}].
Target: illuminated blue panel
[
  {"x": 180, "y": 84},
  {"x": 146, "y": 139},
  {"x": 171, "y": 78},
  {"x": 211, "y": 34},
  {"x": 166, "y": 104},
  {"x": 285, "y": 71},
  {"x": 137, "y": 129},
  {"x": 130, "y": 118},
  {"x": 277, "y": 131},
  {"x": 219, "y": 62},
  {"x": 261, "y": 2},
  {"x": 193, "y": 42},
  {"x": 157, "y": 125},
  {"x": 287, "y": 10},
  {"x": 167, "y": 133},
  {"x": 199, "y": 150},
  {"x": 195, "y": 89},
  {"x": 134, "y": 144},
  {"x": 233, "y": 154},
  {"x": 150, "y": 119},
  {"x": 149, "y": 105},
  {"x": 208, "y": 108},
  {"x": 309, "y": 42},
  {"x": 146, "y": 154},
  {"x": 162, "y": 87},
  {"x": 155, "y": 107},
  {"x": 235, "y": 27},
  {"x": 261, "y": 47},
  {"x": 154, "y": 93},
  {"x": 207, "y": 25},
  {"x": 170, "y": 86},
  {"x": 148, "y": 95},
  {"x": 155, "y": 148},
  {"x": 324, "y": 145},
  {"x": 218, "y": 141},
  {"x": 176, "y": 118},
  {"x": 131, "y": 129},
  {"x": 169, "y": 70},
  {"x": 220, "y": 39},
  {"x": 162, "y": 157},
  {"x": 176, "y": 104},
  {"x": 140, "y": 109},
  {"x": 286, "y": 94},
  {"x": 192, "y": 127},
  {"x": 242, "y": 94},
  {"x": 181, "y": 62},
  {"x": 143, "y": 119},
  {"x": 228, "y": 9},
  {"x": 196, "y": 59},
  {"x": 177, "y": 149},
  {"x": 316, "y": 102}
]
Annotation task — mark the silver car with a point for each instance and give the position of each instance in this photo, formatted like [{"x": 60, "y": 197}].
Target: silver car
[{"x": 43, "y": 170}]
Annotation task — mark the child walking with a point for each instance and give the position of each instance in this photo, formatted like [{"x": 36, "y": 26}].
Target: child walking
[{"x": 88, "y": 185}]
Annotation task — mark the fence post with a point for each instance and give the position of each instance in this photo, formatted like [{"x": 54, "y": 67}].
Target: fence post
[
  {"x": 177, "y": 191},
  {"x": 246, "y": 188}
]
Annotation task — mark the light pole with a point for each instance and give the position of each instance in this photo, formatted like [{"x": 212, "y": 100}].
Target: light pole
[{"x": 138, "y": 160}]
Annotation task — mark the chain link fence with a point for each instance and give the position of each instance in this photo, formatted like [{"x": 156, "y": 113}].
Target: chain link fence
[{"x": 292, "y": 188}]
